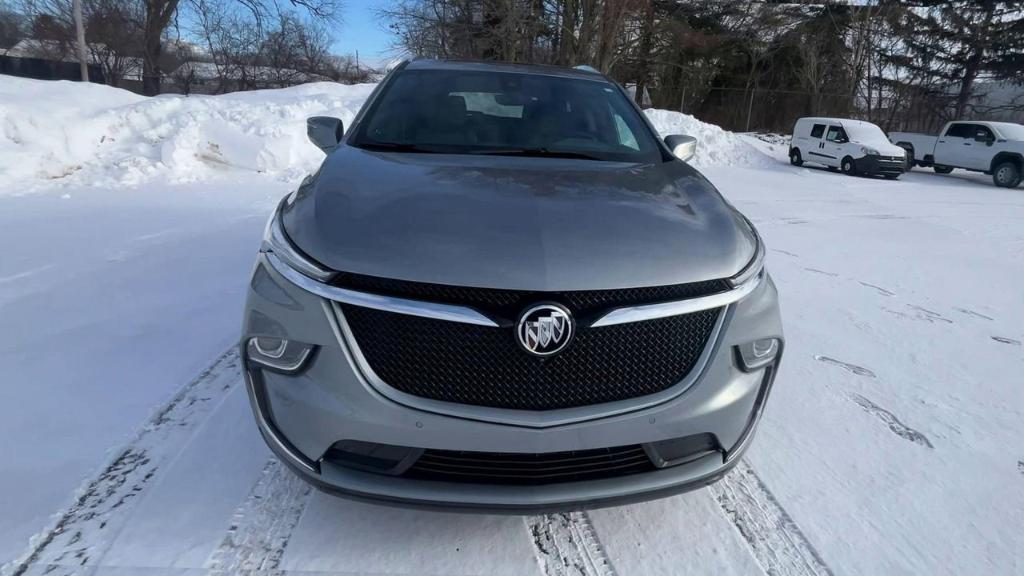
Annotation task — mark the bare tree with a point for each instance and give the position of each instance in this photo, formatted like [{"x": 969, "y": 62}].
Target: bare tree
[
  {"x": 158, "y": 15},
  {"x": 12, "y": 26},
  {"x": 115, "y": 33},
  {"x": 285, "y": 50}
]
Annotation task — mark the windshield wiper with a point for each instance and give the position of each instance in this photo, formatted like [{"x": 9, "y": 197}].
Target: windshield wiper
[
  {"x": 538, "y": 153},
  {"x": 396, "y": 147}
]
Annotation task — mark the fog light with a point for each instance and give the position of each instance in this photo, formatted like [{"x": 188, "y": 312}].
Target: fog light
[
  {"x": 758, "y": 354},
  {"x": 279, "y": 354},
  {"x": 373, "y": 457},
  {"x": 681, "y": 450}
]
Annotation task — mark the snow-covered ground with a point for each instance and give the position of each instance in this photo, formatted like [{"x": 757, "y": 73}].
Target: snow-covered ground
[{"x": 892, "y": 443}]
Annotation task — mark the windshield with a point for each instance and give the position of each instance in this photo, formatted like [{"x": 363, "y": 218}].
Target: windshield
[
  {"x": 865, "y": 133},
  {"x": 472, "y": 112},
  {"x": 1009, "y": 130}
]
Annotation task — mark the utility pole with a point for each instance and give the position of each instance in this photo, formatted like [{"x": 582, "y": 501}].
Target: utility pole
[
  {"x": 76, "y": 7},
  {"x": 750, "y": 108}
]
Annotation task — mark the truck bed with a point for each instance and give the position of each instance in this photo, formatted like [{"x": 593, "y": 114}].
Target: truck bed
[{"x": 922, "y": 144}]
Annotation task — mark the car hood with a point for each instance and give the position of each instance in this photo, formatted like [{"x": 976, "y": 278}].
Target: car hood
[
  {"x": 1013, "y": 146},
  {"x": 517, "y": 223},
  {"x": 884, "y": 147}
]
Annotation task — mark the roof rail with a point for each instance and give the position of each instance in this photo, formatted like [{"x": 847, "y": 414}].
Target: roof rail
[{"x": 586, "y": 68}]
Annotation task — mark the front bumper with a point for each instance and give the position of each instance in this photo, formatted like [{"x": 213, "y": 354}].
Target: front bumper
[
  {"x": 301, "y": 416},
  {"x": 875, "y": 164}
]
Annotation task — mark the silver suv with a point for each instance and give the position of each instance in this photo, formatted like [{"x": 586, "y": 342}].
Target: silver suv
[{"x": 502, "y": 291}]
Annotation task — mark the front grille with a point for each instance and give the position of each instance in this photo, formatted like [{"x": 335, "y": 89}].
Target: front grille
[
  {"x": 484, "y": 366},
  {"x": 507, "y": 304},
  {"x": 511, "y": 468}
]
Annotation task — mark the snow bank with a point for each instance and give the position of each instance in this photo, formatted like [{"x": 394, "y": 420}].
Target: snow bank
[
  {"x": 102, "y": 136},
  {"x": 715, "y": 147},
  {"x": 73, "y": 133}
]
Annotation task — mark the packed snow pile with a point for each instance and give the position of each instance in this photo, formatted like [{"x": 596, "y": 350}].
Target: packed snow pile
[
  {"x": 68, "y": 132},
  {"x": 715, "y": 146},
  {"x": 87, "y": 133}
]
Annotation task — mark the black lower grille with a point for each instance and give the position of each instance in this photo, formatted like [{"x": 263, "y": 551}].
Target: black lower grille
[
  {"x": 484, "y": 366},
  {"x": 548, "y": 468}
]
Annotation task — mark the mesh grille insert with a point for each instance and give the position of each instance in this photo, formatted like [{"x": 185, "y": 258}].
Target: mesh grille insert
[
  {"x": 535, "y": 469},
  {"x": 484, "y": 366}
]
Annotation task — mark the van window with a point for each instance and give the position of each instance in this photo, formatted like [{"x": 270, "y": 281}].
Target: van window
[
  {"x": 817, "y": 131},
  {"x": 836, "y": 134}
]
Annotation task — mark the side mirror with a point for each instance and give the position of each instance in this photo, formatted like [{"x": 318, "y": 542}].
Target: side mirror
[
  {"x": 325, "y": 132},
  {"x": 683, "y": 147}
]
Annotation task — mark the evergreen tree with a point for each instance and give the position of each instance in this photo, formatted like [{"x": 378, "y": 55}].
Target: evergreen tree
[{"x": 957, "y": 42}]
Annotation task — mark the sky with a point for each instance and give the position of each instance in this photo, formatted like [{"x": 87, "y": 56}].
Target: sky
[{"x": 361, "y": 30}]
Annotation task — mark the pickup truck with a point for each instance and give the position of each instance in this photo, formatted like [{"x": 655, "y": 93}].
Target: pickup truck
[{"x": 995, "y": 148}]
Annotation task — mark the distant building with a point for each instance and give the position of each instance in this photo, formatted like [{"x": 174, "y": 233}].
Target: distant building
[{"x": 113, "y": 66}]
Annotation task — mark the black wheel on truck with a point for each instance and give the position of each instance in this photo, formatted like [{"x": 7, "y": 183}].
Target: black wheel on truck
[
  {"x": 909, "y": 149},
  {"x": 943, "y": 169},
  {"x": 794, "y": 157},
  {"x": 848, "y": 166},
  {"x": 1006, "y": 174}
]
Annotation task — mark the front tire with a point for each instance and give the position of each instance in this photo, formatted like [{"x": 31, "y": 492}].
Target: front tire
[
  {"x": 794, "y": 157},
  {"x": 943, "y": 169},
  {"x": 908, "y": 149},
  {"x": 848, "y": 166},
  {"x": 1006, "y": 175}
]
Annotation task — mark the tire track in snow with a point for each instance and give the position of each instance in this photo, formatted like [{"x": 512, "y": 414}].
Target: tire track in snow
[
  {"x": 774, "y": 538},
  {"x": 878, "y": 289},
  {"x": 262, "y": 526},
  {"x": 82, "y": 533},
  {"x": 970, "y": 312},
  {"x": 858, "y": 370},
  {"x": 895, "y": 425},
  {"x": 566, "y": 544}
]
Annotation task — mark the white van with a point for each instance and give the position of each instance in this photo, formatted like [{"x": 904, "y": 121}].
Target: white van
[{"x": 853, "y": 146}]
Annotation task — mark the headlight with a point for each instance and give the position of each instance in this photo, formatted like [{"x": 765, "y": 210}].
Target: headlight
[
  {"x": 275, "y": 240},
  {"x": 869, "y": 151},
  {"x": 756, "y": 264}
]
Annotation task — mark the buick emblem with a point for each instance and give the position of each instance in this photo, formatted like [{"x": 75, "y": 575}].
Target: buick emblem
[{"x": 544, "y": 329}]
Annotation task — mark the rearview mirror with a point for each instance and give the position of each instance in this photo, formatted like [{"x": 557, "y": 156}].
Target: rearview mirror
[
  {"x": 682, "y": 147},
  {"x": 325, "y": 132}
]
